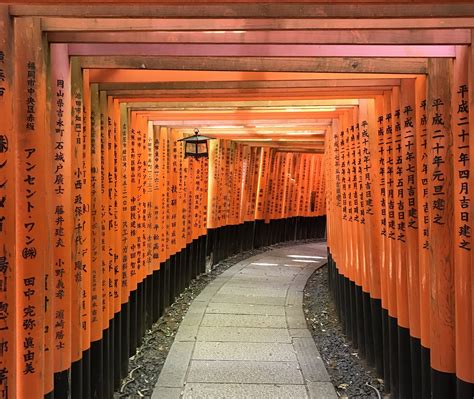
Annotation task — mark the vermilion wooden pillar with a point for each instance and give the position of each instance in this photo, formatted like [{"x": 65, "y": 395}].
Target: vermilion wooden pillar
[
  {"x": 380, "y": 149},
  {"x": 124, "y": 254},
  {"x": 155, "y": 219},
  {"x": 412, "y": 222},
  {"x": 60, "y": 167},
  {"x": 400, "y": 247},
  {"x": 471, "y": 181},
  {"x": 422, "y": 183},
  {"x": 78, "y": 314},
  {"x": 366, "y": 205},
  {"x": 462, "y": 222},
  {"x": 7, "y": 212},
  {"x": 336, "y": 245},
  {"x": 373, "y": 196},
  {"x": 84, "y": 208},
  {"x": 98, "y": 320},
  {"x": 117, "y": 177},
  {"x": 105, "y": 240},
  {"x": 32, "y": 246},
  {"x": 441, "y": 203},
  {"x": 392, "y": 256}
]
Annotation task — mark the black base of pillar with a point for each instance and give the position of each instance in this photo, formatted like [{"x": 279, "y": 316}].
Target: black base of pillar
[
  {"x": 377, "y": 332},
  {"x": 464, "y": 390},
  {"x": 393, "y": 347},
  {"x": 368, "y": 336},
  {"x": 86, "y": 374},
  {"x": 443, "y": 385},
  {"x": 404, "y": 363},
  {"x": 386, "y": 351},
  {"x": 117, "y": 346},
  {"x": 76, "y": 379},
  {"x": 97, "y": 369},
  {"x": 61, "y": 385},
  {"x": 125, "y": 342},
  {"x": 415, "y": 360}
]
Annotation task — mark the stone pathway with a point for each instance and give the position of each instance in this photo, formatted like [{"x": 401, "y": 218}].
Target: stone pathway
[{"x": 245, "y": 335}]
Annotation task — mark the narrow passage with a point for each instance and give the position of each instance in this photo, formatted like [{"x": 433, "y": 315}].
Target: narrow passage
[{"x": 245, "y": 335}]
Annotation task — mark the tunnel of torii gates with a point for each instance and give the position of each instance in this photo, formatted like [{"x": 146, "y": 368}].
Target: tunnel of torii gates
[{"x": 354, "y": 112}]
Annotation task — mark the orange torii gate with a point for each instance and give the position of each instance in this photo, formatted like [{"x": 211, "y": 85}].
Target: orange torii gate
[{"x": 103, "y": 223}]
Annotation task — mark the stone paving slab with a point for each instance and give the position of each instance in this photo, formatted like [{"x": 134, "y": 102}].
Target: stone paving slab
[
  {"x": 284, "y": 259},
  {"x": 295, "y": 317},
  {"x": 321, "y": 390},
  {"x": 268, "y": 352},
  {"x": 247, "y": 391},
  {"x": 268, "y": 272},
  {"x": 239, "y": 320},
  {"x": 300, "y": 333},
  {"x": 166, "y": 393},
  {"x": 196, "y": 307},
  {"x": 187, "y": 333},
  {"x": 245, "y": 372},
  {"x": 254, "y": 291},
  {"x": 294, "y": 298},
  {"x": 310, "y": 360},
  {"x": 256, "y": 300},
  {"x": 279, "y": 280},
  {"x": 230, "y": 308},
  {"x": 176, "y": 365},
  {"x": 192, "y": 320},
  {"x": 245, "y": 335}
]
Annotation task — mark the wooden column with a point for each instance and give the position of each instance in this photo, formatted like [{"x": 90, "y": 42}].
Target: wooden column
[
  {"x": 411, "y": 220},
  {"x": 86, "y": 232},
  {"x": 8, "y": 263},
  {"x": 98, "y": 320},
  {"x": 462, "y": 221},
  {"x": 125, "y": 203},
  {"x": 372, "y": 177},
  {"x": 401, "y": 205},
  {"x": 62, "y": 224},
  {"x": 422, "y": 183},
  {"x": 380, "y": 146},
  {"x": 78, "y": 314},
  {"x": 32, "y": 246},
  {"x": 471, "y": 176},
  {"x": 441, "y": 206}
]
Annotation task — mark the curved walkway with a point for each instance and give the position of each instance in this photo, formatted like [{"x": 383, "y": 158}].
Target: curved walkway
[{"x": 245, "y": 335}]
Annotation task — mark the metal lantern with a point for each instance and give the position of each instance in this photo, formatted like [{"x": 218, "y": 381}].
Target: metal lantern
[{"x": 196, "y": 146}]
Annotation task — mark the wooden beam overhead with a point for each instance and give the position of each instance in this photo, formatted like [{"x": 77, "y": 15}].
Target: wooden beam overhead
[
  {"x": 184, "y": 2},
  {"x": 341, "y": 37},
  {"x": 302, "y": 150},
  {"x": 260, "y": 50},
  {"x": 150, "y": 76},
  {"x": 242, "y": 24},
  {"x": 269, "y": 64},
  {"x": 247, "y": 136},
  {"x": 297, "y": 131},
  {"x": 289, "y": 131},
  {"x": 183, "y": 123},
  {"x": 246, "y": 85},
  {"x": 283, "y": 144},
  {"x": 188, "y": 96},
  {"x": 245, "y": 10},
  {"x": 232, "y": 106},
  {"x": 241, "y": 118}
]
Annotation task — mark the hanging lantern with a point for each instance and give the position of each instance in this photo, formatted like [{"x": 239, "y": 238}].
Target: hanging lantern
[{"x": 196, "y": 146}]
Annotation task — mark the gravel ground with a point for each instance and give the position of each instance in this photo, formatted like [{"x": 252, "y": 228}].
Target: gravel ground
[
  {"x": 349, "y": 373},
  {"x": 145, "y": 366}
]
